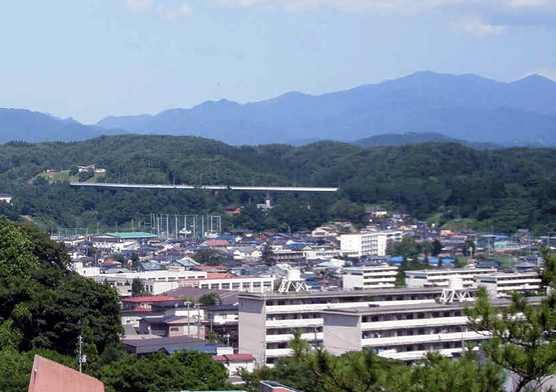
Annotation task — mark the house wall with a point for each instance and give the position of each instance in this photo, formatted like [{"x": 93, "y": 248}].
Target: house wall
[
  {"x": 233, "y": 367},
  {"x": 49, "y": 376}
]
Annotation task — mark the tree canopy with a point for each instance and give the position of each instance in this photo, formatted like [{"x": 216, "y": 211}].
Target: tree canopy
[
  {"x": 313, "y": 369},
  {"x": 43, "y": 304},
  {"x": 522, "y": 333},
  {"x": 507, "y": 189}
]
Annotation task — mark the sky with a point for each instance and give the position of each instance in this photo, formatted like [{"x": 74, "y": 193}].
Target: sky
[{"x": 88, "y": 59}]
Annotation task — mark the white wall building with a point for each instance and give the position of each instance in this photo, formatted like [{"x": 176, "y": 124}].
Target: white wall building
[
  {"x": 367, "y": 244},
  {"x": 266, "y": 321},
  {"x": 441, "y": 277},
  {"x": 367, "y": 277},
  {"x": 501, "y": 284},
  {"x": 399, "y": 332},
  {"x": 158, "y": 282}
]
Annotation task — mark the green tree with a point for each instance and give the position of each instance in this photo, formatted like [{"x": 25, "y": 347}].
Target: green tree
[
  {"x": 135, "y": 262},
  {"x": 469, "y": 247},
  {"x": 522, "y": 337},
  {"x": 137, "y": 287},
  {"x": 44, "y": 304},
  {"x": 184, "y": 370},
  {"x": 267, "y": 254},
  {"x": 210, "y": 299},
  {"x": 313, "y": 369},
  {"x": 89, "y": 349},
  {"x": 208, "y": 257},
  {"x": 436, "y": 248},
  {"x": 15, "y": 367}
]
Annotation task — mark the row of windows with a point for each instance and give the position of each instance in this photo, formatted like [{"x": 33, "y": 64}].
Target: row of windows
[
  {"x": 412, "y": 332},
  {"x": 428, "y": 346},
  {"x": 227, "y": 286},
  {"x": 411, "y": 316},
  {"x": 292, "y": 316},
  {"x": 311, "y": 301},
  {"x": 285, "y": 331}
]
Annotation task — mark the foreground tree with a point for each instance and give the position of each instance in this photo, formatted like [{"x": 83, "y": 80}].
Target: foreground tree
[
  {"x": 522, "y": 334},
  {"x": 315, "y": 370},
  {"x": 42, "y": 304},
  {"x": 184, "y": 370}
]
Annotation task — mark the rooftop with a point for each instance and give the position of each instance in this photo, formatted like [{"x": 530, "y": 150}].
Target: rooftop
[
  {"x": 154, "y": 298},
  {"x": 132, "y": 235},
  {"x": 344, "y": 293}
]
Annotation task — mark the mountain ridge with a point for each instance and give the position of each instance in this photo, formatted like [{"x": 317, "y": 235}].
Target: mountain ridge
[{"x": 465, "y": 107}]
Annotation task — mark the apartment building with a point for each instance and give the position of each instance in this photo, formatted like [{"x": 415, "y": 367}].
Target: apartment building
[
  {"x": 501, "y": 284},
  {"x": 367, "y": 244},
  {"x": 266, "y": 321},
  {"x": 441, "y": 277},
  {"x": 399, "y": 332},
  {"x": 367, "y": 277}
]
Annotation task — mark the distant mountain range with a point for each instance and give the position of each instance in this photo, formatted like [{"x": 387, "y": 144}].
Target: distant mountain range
[
  {"x": 397, "y": 140},
  {"x": 479, "y": 111}
]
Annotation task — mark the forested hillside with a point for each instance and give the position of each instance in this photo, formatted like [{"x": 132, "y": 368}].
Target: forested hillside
[{"x": 504, "y": 188}]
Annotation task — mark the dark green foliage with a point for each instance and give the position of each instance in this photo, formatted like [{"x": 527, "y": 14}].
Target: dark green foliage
[
  {"x": 208, "y": 257},
  {"x": 185, "y": 370},
  {"x": 210, "y": 299},
  {"x": 315, "y": 370},
  {"x": 15, "y": 367},
  {"x": 506, "y": 188},
  {"x": 137, "y": 287},
  {"x": 43, "y": 304},
  {"x": 522, "y": 334}
]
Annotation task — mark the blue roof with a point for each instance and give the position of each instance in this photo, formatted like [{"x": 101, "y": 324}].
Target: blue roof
[{"x": 444, "y": 261}]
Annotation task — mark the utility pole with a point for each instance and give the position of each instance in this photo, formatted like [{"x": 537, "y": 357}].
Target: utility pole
[
  {"x": 188, "y": 320},
  {"x": 80, "y": 359}
]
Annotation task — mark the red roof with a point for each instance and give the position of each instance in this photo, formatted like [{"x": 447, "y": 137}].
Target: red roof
[
  {"x": 233, "y": 357},
  {"x": 154, "y": 298},
  {"x": 219, "y": 275},
  {"x": 217, "y": 243},
  {"x": 210, "y": 267}
]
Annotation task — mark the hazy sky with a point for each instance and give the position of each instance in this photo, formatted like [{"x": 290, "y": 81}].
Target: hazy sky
[{"x": 91, "y": 58}]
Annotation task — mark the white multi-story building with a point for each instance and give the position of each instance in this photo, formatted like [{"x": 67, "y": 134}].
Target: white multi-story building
[
  {"x": 250, "y": 284},
  {"x": 497, "y": 283},
  {"x": 158, "y": 282},
  {"x": 404, "y": 332},
  {"x": 441, "y": 278},
  {"x": 501, "y": 284},
  {"x": 367, "y": 277},
  {"x": 266, "y": 321},
  {"x": 367, "y": 244},
  {"x": 399, "y": 332},
  {"x": 155, "y": 282}
]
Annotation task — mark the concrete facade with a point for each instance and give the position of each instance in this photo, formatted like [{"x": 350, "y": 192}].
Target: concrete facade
[
  {"x": 266, "y": 321},
  {"x": 369, "y": 277},
  {"x": 367, "y": 244}
]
